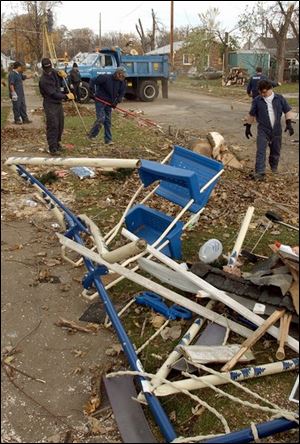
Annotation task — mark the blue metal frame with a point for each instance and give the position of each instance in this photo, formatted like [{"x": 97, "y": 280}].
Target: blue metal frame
[
  {"x": 75, "y": 226},
  {"x": 265, "y": 429}
]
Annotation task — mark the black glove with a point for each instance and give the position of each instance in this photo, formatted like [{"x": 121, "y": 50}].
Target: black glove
[
  {"x": 248, "y": 130},
  {"x": 289, "y": 127}
]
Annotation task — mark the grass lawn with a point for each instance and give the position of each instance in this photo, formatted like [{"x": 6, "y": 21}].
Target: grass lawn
[
  {"x": 215, "y": 88},
  {"x": 5, "y": 105}
]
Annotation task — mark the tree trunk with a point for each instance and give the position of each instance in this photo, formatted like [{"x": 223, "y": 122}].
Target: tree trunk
[
  {"x": 280, "y": 60},
  {"x": 280, "y": 37}
]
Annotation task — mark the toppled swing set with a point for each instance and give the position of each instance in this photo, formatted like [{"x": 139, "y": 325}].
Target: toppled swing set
[{"x": 185, "y": 179}]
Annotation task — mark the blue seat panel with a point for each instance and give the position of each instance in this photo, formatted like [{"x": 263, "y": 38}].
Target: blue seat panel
[
  {"x": 149, "y": 224},
  {"x": 204, "y": 168}
]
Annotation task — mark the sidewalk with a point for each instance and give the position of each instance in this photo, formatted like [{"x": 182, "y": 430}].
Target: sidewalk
[{"x": 46, "y": 402}]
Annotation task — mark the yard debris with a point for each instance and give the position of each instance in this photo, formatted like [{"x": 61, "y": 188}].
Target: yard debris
[
  {"x": 83, "y": 172},
  {"x": 214, "y": 146},
  {"x": 171, "y": 333},
  {"x": 72, "y": 326}
]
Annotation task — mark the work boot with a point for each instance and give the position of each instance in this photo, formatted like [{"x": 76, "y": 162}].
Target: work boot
[
  {"x": 18, "y": 123},
  {"x": 257, "y": 176},
  {"x": 27, "y": 121},
  {"x": 109, "y": 142},
  {"x": 275, "y": 171},
  {"x": 53, "y": 152}
]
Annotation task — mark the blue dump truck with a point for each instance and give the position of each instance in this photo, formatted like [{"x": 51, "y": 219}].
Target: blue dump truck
[{"x": 143, "y": 73}]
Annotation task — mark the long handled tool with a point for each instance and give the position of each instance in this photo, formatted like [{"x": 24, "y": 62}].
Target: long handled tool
[
  {"x": 278, "y": 220},
  {"x": 146, "y": 122},
  {"x": 75, "y": 104}
]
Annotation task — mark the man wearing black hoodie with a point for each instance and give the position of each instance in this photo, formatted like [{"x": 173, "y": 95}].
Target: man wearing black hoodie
[
  {"x": 75, "y": 78},
  {"x": 51, "y": 89}
]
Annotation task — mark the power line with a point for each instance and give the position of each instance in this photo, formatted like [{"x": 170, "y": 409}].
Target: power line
[{"x": 135, "y": 9}]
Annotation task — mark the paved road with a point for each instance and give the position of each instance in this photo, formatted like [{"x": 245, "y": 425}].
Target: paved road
[{"x": 190, "y": 110}]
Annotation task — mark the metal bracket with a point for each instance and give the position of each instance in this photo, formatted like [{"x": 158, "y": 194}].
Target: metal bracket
[{"x": 89, "y": 278}]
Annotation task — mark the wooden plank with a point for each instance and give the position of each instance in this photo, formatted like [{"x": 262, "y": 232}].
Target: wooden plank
[
  {"x": 170, "y": 277},
  {"x": 284, "y": 327},
  {"x": 215, "y": 293},
  {"x": 202, "y": 354},
  {"x": 253, "y": 339},
  {"x": 157, "y": 288}
]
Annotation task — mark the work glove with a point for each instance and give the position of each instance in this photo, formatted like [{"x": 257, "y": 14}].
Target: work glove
[
  {"x": 62, "y": 74},
  {"x": 248, "y": 130},
  {"x": 289, "y": 127},
  {"x": 70, "y": 96},
  {"x": 14, "y": 96}
]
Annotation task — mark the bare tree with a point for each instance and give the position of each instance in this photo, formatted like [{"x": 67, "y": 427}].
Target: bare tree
[
  {"x": 279, "y": 31},
  {"x": 143, "y": 38},
  {"x": 272, "y": 18}
]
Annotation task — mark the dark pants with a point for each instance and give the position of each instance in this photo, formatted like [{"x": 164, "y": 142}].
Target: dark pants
[
  {"x": 76, "y": 91},
  {"x": 19, "y": 110},
  {"x": 54, "y": 123},
  {"x": 103, "y": 117},
  {"x": 271, "y": 138}
]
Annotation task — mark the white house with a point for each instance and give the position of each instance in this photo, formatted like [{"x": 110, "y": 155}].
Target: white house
[{"x": 6, "y": 61}]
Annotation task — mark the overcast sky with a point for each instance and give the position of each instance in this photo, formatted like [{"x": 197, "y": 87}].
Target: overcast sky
[{"x": 123, "y": 15}]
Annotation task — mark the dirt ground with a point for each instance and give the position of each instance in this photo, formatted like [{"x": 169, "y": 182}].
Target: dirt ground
[{"x": 38, "y": 289}]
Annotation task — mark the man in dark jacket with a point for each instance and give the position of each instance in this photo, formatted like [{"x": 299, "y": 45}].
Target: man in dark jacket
[
  {"x": 75, "y": 78},
  {"x": 267, "y": 109},
  {"x": 252, "y": 87},
  {"x": 16, "y": 93},
  {"x": 51, "y": 90},
  {"x": 109, "y": 88}
]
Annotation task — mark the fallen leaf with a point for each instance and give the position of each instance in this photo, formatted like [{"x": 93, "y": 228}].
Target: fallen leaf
[
  {"x": 157, "y": 321},
  {"x": 172, "y": 333}
]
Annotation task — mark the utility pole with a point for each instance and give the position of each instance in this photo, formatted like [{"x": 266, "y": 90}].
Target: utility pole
[
  {"x": 172, "y": 36},
  {"x": 226, "y": 42},
  {"x": 100, "y": 43},
  {"x": 44, "y": 30}
]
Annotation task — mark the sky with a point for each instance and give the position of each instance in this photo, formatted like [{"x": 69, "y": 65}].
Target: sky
[{"x": 122, "y": 16}]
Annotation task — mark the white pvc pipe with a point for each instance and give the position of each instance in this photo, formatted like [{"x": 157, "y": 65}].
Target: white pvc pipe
[
  {"x": 74, "y": 161},
  {"x": 241, "y": 236},
  {"x": 211, "y": 181},
  {"x": 192, "y": 384}
]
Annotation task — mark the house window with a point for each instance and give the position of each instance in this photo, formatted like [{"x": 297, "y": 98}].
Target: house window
[{"x": 187, "y": 59}]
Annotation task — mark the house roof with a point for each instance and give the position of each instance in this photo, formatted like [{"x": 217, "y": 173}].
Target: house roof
[
  {"x": 166, "y": 49},
  {"x": 270, "y": 43}
]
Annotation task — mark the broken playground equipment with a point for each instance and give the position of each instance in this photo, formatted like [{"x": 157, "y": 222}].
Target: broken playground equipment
[{"x": 187, "y": 180}]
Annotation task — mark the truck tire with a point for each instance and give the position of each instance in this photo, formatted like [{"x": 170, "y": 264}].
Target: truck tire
[
  {"x": 84, "y": 92},
  {"x": 148, "y": 90}
]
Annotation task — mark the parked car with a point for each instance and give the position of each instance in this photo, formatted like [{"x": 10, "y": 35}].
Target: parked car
[{"x": 209, "y": 73}]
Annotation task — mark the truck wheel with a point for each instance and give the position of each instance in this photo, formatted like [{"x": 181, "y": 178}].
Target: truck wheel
[
  {"x": 148, "y": 90},
  {"x": 84, "y": 93}
]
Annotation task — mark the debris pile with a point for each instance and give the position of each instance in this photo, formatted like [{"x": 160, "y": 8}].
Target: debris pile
[{"x": 219, "y": 339}]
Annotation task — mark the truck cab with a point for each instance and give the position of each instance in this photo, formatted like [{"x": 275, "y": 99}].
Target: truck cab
[{"x": 143, "y": 72}]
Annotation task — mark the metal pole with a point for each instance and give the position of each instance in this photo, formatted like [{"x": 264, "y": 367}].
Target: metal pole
[
  {"x": 75, "y": 104},
  {"x": 100, "y": 42},
  {"x": 172, "y": 36},
  {"x": 226, "y": 52}
]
